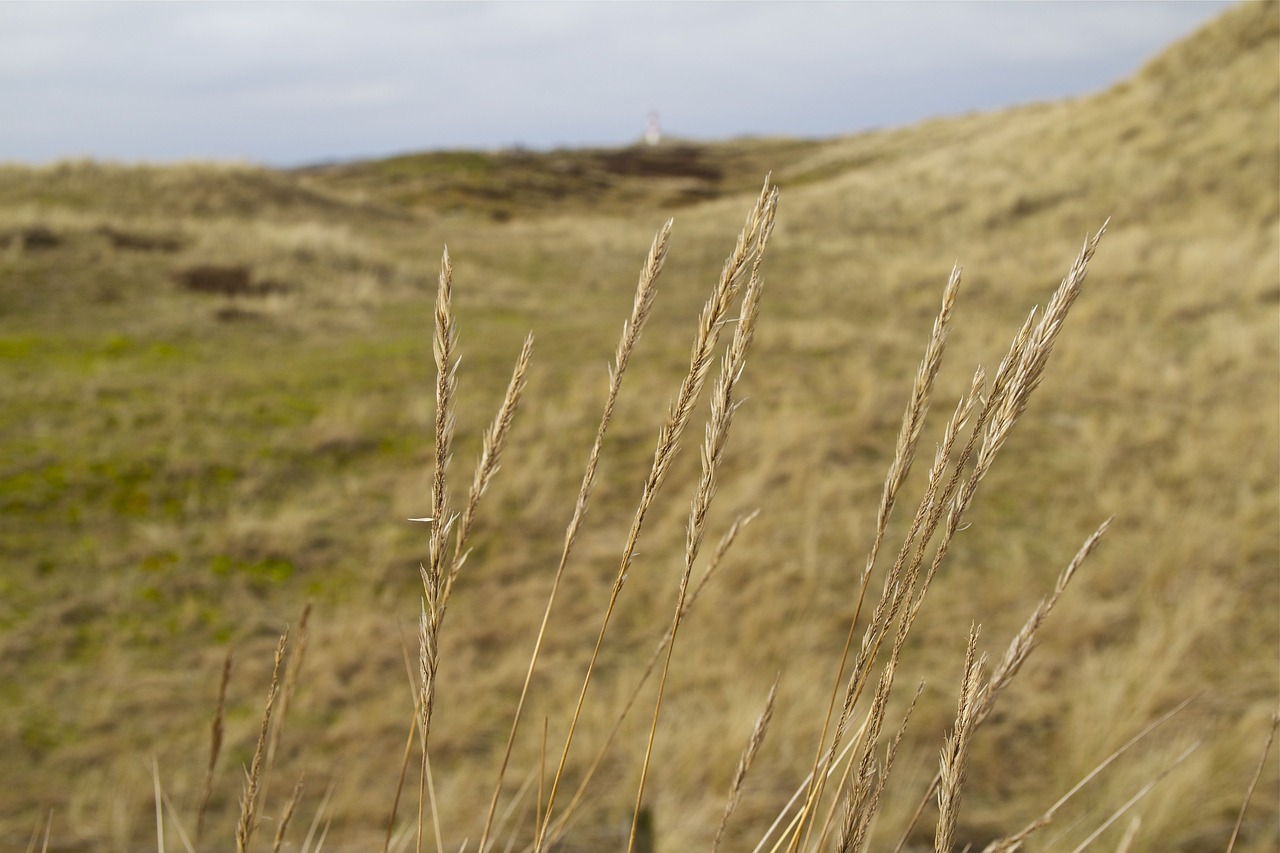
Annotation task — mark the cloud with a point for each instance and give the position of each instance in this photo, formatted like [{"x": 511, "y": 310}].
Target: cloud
[{"x": 286, "y": 83}]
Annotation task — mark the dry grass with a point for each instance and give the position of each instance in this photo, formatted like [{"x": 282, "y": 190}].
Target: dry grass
[
  {"x": 953, "y": 479},
  {"x": 188, "y": 467}
]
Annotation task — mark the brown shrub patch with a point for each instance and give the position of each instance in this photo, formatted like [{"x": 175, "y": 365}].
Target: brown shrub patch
[
  {"x": 680, "y": 161},
  {"x": 32, "y": 237},
  {"x": 226, "y": 281},
  {"x": 139, "y": 242}
]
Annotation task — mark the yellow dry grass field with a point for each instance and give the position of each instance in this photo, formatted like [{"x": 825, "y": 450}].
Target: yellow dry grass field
[{"x": 218, "y": 406}]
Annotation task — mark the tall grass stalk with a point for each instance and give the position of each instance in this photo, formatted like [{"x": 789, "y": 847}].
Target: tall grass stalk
[
  {"x": 710, "y": 323},
  {"x": 435, "y": 573},
  {"x": 1014, "y": 842},
  {"x": 441, "y": 571},
  {"x": 287, "y": 815},
  {"x": 955, "y": 753},
  {"x": 744, "y": 764},
  {"x": 904, "y": 454},
  {"x": 952, "y": 484},
  {"x": 215, "y": 747},
  {"x": 292, "y": 670},
  {"x": 253, "y": 781},
  {"x": 1253, "y": 783},
  {"x": 642, "y": 304},
  {"x": 159, "y": 804},
  {"x": 717, "y": 436},
  {"x": 1132, "y": 801},
  {"x": 712, "y": 569}
]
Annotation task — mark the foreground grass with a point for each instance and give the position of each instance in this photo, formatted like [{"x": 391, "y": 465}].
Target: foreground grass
[{"x": 188, "y": 467}]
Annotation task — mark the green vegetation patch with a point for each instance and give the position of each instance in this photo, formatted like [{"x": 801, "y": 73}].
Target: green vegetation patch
[{"x": 264, "y": 570}]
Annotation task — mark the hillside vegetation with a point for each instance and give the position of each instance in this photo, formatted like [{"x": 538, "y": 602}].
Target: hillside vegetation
[{"x": 216, "y": 405}]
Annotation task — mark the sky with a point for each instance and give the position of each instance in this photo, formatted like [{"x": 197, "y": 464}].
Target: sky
[{"x": 289, "y": 84}]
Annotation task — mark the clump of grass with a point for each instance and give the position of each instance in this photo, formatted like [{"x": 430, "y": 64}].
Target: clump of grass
[
  {"x": 966, "y": 453},
  {"x": 842, "y": 796}
]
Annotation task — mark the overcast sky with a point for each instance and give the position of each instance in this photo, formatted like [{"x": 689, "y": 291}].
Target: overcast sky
[{"x": 293, "y": 83}]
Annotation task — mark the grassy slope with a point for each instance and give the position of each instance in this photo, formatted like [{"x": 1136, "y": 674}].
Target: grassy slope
[{"x": 182, "y": 470}]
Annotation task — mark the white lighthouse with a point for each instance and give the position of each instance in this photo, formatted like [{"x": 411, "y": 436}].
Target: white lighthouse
[{"x": 652, "y": 132}]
